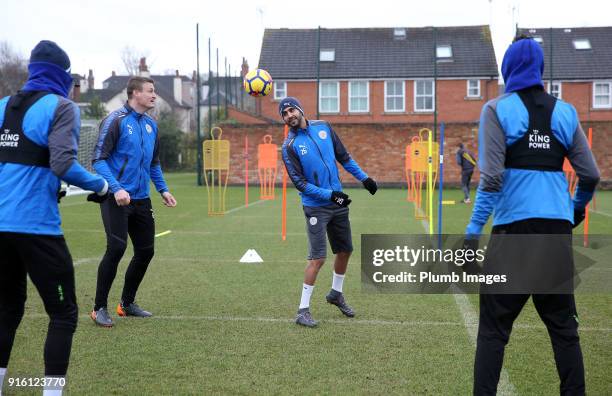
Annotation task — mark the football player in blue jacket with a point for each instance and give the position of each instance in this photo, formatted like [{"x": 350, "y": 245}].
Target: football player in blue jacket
[
  {"x": 311, "y": 153},
  {"x": 38, "y": 146},
  {"x": 524, "y": 137},
  {"x": 127, "y": 156}
]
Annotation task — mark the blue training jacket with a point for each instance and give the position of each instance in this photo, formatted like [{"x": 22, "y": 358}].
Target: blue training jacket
[
  {"x": 127, "y": 153},
  {"x": 310, "y": 157},
  {"x": 28, "y": 194},
  {"x": 513, "y": 194}
]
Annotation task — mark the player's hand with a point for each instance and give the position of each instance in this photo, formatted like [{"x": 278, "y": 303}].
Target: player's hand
[
  {"x": 370, "y": 185},
  {"x": 340, "y": 199},
  {"x": 168, "y": 199},
  {"x": 122, "y": 198},
  {"x": 578, "y": 217}
]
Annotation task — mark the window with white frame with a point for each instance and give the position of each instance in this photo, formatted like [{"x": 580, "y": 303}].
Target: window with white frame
[
  {"x": 473, "y": 88},
  {"x": 359, "y": 96},
  {"x": 555, "y": 90},
  {"x": 602, "y": 95},
  {"x": 394, "y": 96},
  {"x": 329, "y": 97},
  {"x": 444, "y": 51},
  {"x": 280, "y": 90},
  {"x": 424, "y": 95},
  {"x": 327, "y": 55},
  {"x": 582, "y": 44}
]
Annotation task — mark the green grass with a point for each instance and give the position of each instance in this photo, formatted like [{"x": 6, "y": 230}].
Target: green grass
[{"x": 226, "y": 328}]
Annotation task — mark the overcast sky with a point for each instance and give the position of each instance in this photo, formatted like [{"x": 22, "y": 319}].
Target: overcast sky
[{"x": 94, "y": 32}]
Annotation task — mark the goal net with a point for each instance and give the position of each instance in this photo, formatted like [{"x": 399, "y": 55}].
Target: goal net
[{"x": 87, "y": 144}]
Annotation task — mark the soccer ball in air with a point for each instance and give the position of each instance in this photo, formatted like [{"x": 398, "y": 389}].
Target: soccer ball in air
[{"x": 258, "y": 82}]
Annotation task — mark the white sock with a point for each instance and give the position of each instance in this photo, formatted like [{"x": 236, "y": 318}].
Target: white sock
[
  {"x": 56, "y": 386},
  {"x": 306, "y": 293},
  {"x": 2, "y": 373},
  {"x": 337, "y": 282}
]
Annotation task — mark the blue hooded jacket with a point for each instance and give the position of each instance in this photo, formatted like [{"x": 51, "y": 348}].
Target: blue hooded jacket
[
  {"x": 516, "y": 194},
  {"x": 28, "y": 194}
]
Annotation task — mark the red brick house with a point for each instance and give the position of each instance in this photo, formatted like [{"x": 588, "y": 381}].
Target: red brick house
[
  {"x": 579, "y": 63},
  {"x": 382, "y": 75}
]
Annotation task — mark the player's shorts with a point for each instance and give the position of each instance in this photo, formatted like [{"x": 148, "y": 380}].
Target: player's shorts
[{"x": 332, "y": 221}]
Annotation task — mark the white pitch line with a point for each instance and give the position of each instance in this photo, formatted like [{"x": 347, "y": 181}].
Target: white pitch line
[
  {"x": 85, "y": 260},
  {"x": 244, "y": 206},
  {"x": 505, "y": 387},
  {"x": 600, "y": 213},
  {"x": 364, "y": 322}
]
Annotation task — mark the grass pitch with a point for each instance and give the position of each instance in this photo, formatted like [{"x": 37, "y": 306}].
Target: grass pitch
[{"x": 227, "y": 328}]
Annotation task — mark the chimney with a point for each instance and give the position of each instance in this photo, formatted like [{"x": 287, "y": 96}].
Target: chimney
[
  {"x": 143, "y": 70},
  {"x": 90, "y": 81},
  {"x": 245, "y": 68},
  {"x": 113, "y": 74},
  {"x": 76, "y": 91},
  {"x": 178, "y": 88}
]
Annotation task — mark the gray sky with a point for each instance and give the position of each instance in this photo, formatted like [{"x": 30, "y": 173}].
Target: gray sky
[{"x": 94, "y": 32}]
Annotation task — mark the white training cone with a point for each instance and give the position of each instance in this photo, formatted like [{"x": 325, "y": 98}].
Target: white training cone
[{"x": 251, "y": 256}]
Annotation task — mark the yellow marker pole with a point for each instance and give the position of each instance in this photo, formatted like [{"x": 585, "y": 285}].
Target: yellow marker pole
[{"x": 161, "y": 234}]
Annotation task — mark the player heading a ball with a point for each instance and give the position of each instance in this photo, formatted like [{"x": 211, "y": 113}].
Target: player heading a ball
[{"x": 258, "y": 82}]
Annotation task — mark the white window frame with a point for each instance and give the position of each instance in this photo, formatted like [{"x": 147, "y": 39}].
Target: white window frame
[
  {"x": 582, "y": 44},
  {"x": 609, "y": 105},
  {"x": 321, "y": 97},
  {"x": 549, "y": 89},
  {"x": 277, "y": 90},
  {"x": 403, "y": 96},
  {"x": 367, "y": 97},
  {"x": 433, "y": 97},
  {"x": 327, "y": 55},
  {"x": 441, "y": 48},
  {"x": 468, "y": 88}
]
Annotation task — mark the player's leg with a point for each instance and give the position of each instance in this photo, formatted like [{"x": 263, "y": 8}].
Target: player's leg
[
  {"x": 497, "y": 314},
  {"x": 13, "y": 295},
  {"x": 340, "y": 239},
  {"x": 115, "y": 222},
  {"x": 558, "y": 312},
  {"x": 465, "y": 185},
  {"x": 141, "y": 228},
  {"x": 316, "y": 222},
  {"x": 50, "y": 267}
]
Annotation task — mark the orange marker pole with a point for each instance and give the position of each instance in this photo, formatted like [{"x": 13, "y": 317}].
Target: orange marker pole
[
  {"x": 246, "y": 170},
  {"x": 284, "y": 206},
  {"x": 586, "y": 210}
]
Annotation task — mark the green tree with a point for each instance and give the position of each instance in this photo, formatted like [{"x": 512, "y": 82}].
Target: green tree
[
  {"x": 95, "y": 109},
  {"x": 170, "y": 137}
]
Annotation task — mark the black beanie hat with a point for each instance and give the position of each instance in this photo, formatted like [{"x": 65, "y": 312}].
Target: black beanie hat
[{"x": 48, "y": 51}]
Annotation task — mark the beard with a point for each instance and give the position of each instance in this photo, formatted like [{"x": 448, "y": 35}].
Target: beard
[{"x": 295, "y": 122}]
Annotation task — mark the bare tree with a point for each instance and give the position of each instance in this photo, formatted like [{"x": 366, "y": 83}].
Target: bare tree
[
  {"x": 131, "y": 59},
  {"x": 13, "y": 70}
]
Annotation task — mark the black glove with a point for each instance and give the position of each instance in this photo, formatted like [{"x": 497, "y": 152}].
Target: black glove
[
  {"x": 370, "y": 185},
  {"x": 340, "y": 199},
  {"x": 578, "y": 217},
  {"x": 60, "y": 194},
  {"x": 94, "y": 197}
]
